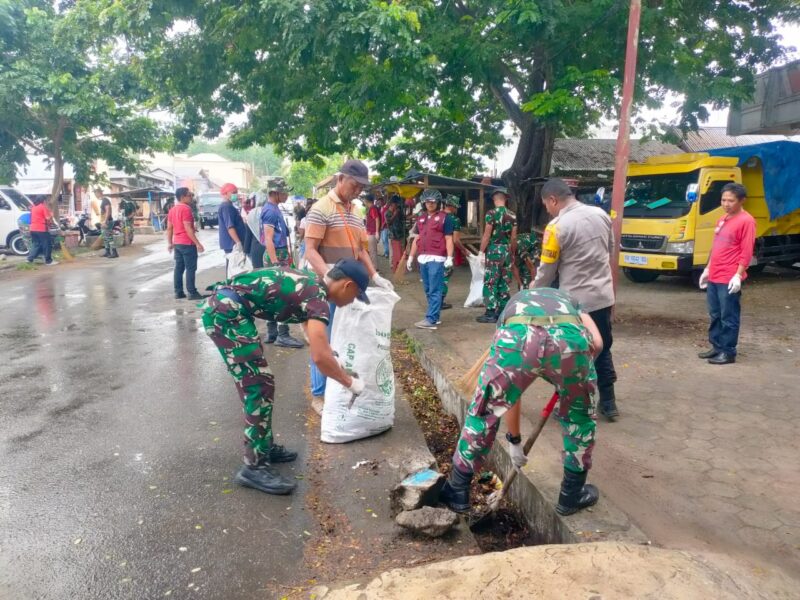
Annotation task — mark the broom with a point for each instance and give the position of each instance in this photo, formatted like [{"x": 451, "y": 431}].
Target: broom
[
  {"x": 400, "y": 271},
  {"x": 469, "y": 380}
]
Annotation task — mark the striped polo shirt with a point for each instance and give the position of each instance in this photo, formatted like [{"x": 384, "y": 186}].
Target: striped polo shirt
[{"x": 326, "y": 222}]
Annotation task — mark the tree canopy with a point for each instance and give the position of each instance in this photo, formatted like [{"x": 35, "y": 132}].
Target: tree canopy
[
  {"x": 67, "y": 92},
  {"x": 431, "y": 83}
]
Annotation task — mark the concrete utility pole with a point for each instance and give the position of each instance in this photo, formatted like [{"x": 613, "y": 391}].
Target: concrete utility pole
[{"x": 623, "y": 137}]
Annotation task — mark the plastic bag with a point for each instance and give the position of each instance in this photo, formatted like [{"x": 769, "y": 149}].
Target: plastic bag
[
  {"x": 237, "y": 263},
  {"x": 475, "y": 296},
  {"x": 361, "y": 336}
]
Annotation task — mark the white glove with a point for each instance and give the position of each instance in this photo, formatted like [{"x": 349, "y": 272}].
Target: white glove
[
  {"x": 703, "y": 283},
  {"x": 735, "y": 284},
  {"x": 448, "y": 262},
  {"x": 410, "y": 263},
  {"x": 238, "y": 247},
  {"x": 482, "y": 257},
  {"x": 356, "y": 386},
  {"x": 382, "y": 282},
  {"x": 518, "y": 458}
]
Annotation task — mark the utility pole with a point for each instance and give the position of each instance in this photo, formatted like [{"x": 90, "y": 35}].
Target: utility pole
[{"x": 623, "y": 137}]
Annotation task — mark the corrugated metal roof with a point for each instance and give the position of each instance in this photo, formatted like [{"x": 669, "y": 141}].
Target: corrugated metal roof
[
  {"x": 709, "y": 138},
  {"x": 598, "y": 156}
]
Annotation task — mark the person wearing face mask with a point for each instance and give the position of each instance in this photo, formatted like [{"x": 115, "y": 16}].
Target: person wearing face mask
[
  {"x": 335, "y": 231},
  {"x": 231, "y": 224}
]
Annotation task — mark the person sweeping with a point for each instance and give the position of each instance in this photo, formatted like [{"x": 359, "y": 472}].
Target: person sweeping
[
  {"x": 288, "y": 296},
  {"x": 541, "y": 333}
]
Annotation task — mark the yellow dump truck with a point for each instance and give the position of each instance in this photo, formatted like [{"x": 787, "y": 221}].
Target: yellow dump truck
[{"x": 672, "y": 205}]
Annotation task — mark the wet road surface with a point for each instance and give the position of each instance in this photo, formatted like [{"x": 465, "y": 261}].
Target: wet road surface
[{"x": 120, "y": 433}]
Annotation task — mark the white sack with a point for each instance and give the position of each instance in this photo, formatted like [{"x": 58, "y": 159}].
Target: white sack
[
  {"x": 475, "y": 296},
  {"x": 237, "y": 263},
  {"x": 361, "y": 336}
]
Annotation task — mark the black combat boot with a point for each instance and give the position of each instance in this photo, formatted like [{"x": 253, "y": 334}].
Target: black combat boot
[
  {"x": 272, "y": 332},
  {"x": 114, "y": 253},
  {"x": 264, "y": 478},
  {"x": 575, "y": 494},
  {"x": 279, "y": 454},
  {"x": 487, "y": 317},
  {"x": 106, "y": 253},
  {"x": 455, "y": 493},
  {"x": 608, "y": 403}
]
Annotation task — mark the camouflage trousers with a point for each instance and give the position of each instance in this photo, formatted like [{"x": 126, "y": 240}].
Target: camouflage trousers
[
  {"x": 234, "y": 333},
  {"x": 108, "y": 235},
  {"x": 497, "y": 278},
  {"x": 521, "y": 353},
  {"x": 525, "y": 275},
  {"x": 446, "y": 286},
  {"x": 283, "y": 256}
]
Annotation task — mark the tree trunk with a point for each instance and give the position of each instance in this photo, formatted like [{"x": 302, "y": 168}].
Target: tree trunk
[
  {"x": 58, "y": 181},
  {"x": 531, "y": 163}
]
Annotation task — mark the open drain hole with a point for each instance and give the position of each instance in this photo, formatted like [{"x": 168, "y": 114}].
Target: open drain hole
[{"x": 507, "y": 527}]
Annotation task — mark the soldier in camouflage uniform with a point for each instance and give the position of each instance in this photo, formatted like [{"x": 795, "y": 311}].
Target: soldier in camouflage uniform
[
  {"x": 525, "y": 258},
  {"x": 498, "y": 246},
  {"x": 289, "y": 296},
  {"x": 542, "y": 333},
  {"x": 451, "y": 205}
]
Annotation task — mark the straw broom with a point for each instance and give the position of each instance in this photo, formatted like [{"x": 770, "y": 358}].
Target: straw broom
[{"x": 469, "y": 380}]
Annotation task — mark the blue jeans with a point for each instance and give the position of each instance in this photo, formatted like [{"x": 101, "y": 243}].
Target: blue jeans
[
  {"x": 41, "y": 245},
  {"x": 318, "y": 380},
  {"x": 725, "y": 310},
  {"x": 385, "y": 242},
  {"x": 185, "y": 261},
  {"x": 433, "y": 283}
]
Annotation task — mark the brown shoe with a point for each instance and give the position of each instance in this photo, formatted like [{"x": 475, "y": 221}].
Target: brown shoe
[{"x": 317, "y": 402}]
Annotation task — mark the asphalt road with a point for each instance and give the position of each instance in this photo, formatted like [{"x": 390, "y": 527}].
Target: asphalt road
[{"x": 120, "y": 433}]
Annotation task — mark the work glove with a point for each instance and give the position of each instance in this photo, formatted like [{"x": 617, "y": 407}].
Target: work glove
[
  {"x": 356, "y": 388},
  {"x": 410, "y": 263},
  {"x": 382, "y": 282},
  {"x": 735, "y": 284},
  {"x": 703, "y": 283},
  {"x": 448, "y": 262},
  {"x": 518, "y": 458},
  {"x": 238, "y": 247},
  {"x": 482, "y": 257}
]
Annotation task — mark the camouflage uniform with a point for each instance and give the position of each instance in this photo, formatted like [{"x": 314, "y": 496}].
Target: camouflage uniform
[
  {"x": 559, "y": 353},
  {"x": 456, "y": 222},
  {"x": 527, "y": 248},
  {"x": 283, "y": 256},
  {"x": 276, "y": 294},
  {"x": 497, "y": 279}
]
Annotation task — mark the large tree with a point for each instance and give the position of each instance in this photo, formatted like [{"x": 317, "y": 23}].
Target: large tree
[
  {"x": 68, "y": 91},
  {"x": 424, "y": 83}
]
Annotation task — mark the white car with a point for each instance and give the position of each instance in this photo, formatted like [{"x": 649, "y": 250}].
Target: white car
[{"x": 13, "y": 205}]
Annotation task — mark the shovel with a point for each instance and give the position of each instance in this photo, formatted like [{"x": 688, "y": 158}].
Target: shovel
[{"x": 497, "y": 497}]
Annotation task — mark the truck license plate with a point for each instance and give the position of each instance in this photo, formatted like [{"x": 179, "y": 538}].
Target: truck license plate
[{"x": 635, "y": 260}]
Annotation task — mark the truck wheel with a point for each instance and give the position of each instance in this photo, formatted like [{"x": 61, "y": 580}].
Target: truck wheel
[
  {"x": 640, "y": 275},
  {"x": 787, "y": 264},
  {"x": 17, "y": 244},
  {"x": 756, "y": 269}
]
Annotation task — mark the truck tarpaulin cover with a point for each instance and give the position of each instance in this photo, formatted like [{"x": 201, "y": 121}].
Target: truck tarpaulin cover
[{"x": 781, "y": 164}]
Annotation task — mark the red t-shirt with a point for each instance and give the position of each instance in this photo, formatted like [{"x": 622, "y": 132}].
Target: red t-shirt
[
  {"x": 734, "y": 239},
  {"x": 384, "y": 224},
  {"x": 373, "y": 216},
  {"x": 40, "y": 214},
  {"x": 177, "y": 215}
]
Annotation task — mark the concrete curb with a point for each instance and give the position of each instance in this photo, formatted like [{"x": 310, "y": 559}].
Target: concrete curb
[{"x": 536, "y": 492}]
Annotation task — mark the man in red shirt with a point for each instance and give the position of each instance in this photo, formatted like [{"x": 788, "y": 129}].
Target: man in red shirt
[
  {"x": 731, "y": 252},
  {"x": 373, "y": 226},
  {"x": 181, "y": 238},
  {"x": 41, "y": 242}
]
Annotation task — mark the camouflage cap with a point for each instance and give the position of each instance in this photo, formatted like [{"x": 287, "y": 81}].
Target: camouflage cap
[
  {"x": 431, "y": 195},
  {"x": 278, "y": 185},
  {"x": 452, "y": 200}
]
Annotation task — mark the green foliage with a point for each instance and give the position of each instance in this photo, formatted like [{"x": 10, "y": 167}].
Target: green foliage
[
  {"x": 68, "y": 91},
  {"x": 263, "y": 158},
  {"x": 303, "y": 174},
  {"x": 430, "y": 83}
]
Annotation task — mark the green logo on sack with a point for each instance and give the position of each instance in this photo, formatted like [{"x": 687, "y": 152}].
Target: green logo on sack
[{"x": 384, "y": 377}]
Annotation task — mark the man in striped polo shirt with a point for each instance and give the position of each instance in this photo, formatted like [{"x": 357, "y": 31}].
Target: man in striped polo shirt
[{"x": 335, "y": 231}]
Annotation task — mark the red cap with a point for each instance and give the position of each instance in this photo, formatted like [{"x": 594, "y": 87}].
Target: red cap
[{"x": 228, "y": 187}]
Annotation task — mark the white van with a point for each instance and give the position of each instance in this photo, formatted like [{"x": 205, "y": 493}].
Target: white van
[{"x": 12, "y": 206}]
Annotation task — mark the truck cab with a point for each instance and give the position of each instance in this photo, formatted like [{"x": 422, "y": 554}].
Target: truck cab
[{"x": 672, "y": 206}]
